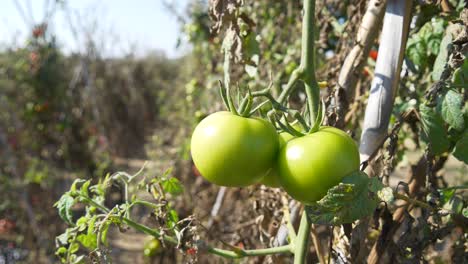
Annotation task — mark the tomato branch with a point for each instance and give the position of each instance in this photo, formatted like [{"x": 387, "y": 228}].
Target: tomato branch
[
  {"x": 307, "y": 65},
  {"x": 301, "y": 243},
  {"x": 238, "y": 253},
  {"x": 412, "y": 201}
]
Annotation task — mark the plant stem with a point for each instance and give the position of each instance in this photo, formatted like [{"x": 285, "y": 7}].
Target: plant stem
[
  {"x": 412, "y": 201},
  {"x": 301, "y": 243},
  {"x": 307, "y": 66},
  {"x": 295, "y": 76},
  {"x": 289, "y": 225},
  {"x": 459, "y": 187},
  {"x": 217, "y": 251},
  {"x": 307, "y": 74},
  {"x": 249, "y": 253}
]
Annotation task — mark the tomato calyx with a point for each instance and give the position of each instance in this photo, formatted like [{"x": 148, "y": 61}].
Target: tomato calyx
[
  {"x": 294, "y": 128},
  {"x": 244, "y": 108}
]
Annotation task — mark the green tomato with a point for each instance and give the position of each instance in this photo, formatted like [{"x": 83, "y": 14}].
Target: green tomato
[
  {"x": 312, "y": 164},
  {"x": 233, "y": 151},
  {"x": 272, "y": 178},
  {"x": 152, "y": 247}
]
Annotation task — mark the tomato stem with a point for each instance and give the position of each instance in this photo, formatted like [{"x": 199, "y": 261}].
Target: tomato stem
[
  {"x": 238, "y": 253},
  {"x": 301, "y": 243},
  {"x": 295, "y": 76},
  {"x": 249, "y": 253},
  {"x": 307, "y": 66},
  {"x": 232, "y": 107},
  {"x": 412, "y": 201},
  {"x": 307, "y": 74},
  {"x": 222, "y": 92}
]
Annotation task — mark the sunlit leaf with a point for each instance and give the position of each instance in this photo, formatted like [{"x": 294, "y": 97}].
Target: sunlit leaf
[
  {"x": 64, "y": 208},
  {"x": 354, "y": 198},
  {"x": 433, "y": 129},
  {"x": 451, "y": 109},
  {"x": 442, "y": 57},
  {"x": 172, "y": 186}
]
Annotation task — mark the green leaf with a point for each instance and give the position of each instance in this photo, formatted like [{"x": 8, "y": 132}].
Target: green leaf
[
  {"x": 75, "y": 183},
  {"x": 63, "y": 238},
  {"x": 433, "y": 129},
  {"x": 461, "y": 148},
  {"x": 426, "y": 42},
  {"x": 104, "y": 229},
  {"x": 451, "y": 108},
  {"x": 417, "y": 53},
  {"x": 84, "y": 188},
  {"x": 460, "y": 76},
  {"x": 82, "y": 223},
  {"x": 74, "y": 247},
  {"x": 446, "y": 195},
  {"x": 354, "y": 198},
  {"x": 89, "y": 241},
  {"x": 442, "y": 58},
  {"x": 64, "y": 208},
  {"x": 454, "y": 205},
  {"x": 172, "y": 185},
  {"x": 172, "y": 218},
  {"x": 61, "y": 251}
]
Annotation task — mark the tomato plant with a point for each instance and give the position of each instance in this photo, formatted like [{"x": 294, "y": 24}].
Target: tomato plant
[
  {"x": 223, "y": 142},
  {"x": 310, "y": 165}
]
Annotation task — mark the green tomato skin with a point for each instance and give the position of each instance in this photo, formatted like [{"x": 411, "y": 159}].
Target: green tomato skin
[
  {"x": 312, "y": 164},
  {"x": 152, "y": 247},
  {"x": 272, "y": 178},
  {"x": 233, "y": 151}
]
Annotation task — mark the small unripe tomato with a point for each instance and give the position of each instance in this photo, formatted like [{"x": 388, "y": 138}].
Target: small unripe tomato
[
  {"x": 233, "y": 151},
  {"x": 152, "y": 248},
  {"x": 310, "y": 165}
]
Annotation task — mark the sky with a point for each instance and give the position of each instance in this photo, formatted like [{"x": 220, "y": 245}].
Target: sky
[{"x": 145, "y": 25}]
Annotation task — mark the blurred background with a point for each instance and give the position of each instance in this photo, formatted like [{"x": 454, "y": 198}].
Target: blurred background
[
  {"x": 86, "y": 88},
  {"x": 92, "y": 87}
]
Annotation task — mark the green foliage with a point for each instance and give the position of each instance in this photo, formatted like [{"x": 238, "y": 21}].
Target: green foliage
[
  {"x": 433, "y": 129},
  {"x": 354, "y": 198},
  {"x": 169, "y": 184},
  {"x": 89, "y": 232},
  {"x": 451, "y": 108},
  {"x": 460, "y": 76},
  {"x": 64, "y": 207},
  {"x": 444, "y": 125},
  {"x": 461, "y": 148},
  {"x": 423, "y": 46},
  {"x": 442, "y": 57}
]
